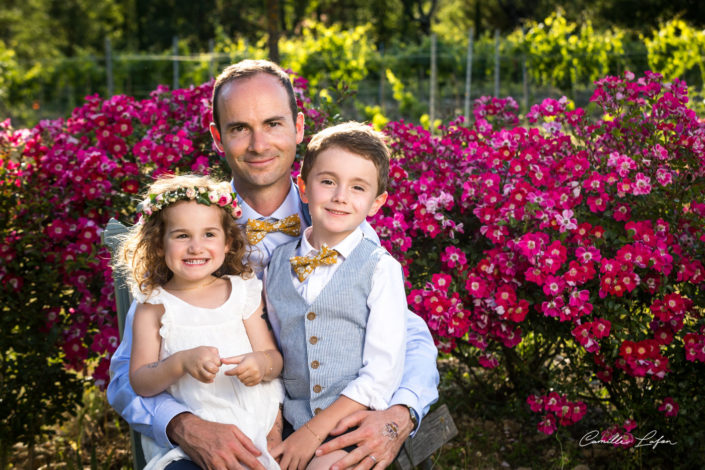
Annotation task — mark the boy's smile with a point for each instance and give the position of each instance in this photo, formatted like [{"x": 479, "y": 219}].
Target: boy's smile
[{"x": 341, "y": 191}]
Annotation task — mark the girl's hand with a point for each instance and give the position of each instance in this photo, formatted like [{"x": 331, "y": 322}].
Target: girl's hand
[
  {"x": 202, "y": 363},
  {"x": 251, "y": 367},
  {"x": 297, "y": 450}
]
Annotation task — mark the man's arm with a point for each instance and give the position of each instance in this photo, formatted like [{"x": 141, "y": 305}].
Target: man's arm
[
  {"x": 211, "y": 445},
  {"x": 419, "y": 384},
  {"x": 148, "y": 416}
]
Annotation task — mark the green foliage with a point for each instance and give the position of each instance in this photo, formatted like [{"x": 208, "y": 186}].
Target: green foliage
[
  {"x": 329, "y": 56},
  {"x": 676, "y": 49},
  {"x": 563, "y": 53}
]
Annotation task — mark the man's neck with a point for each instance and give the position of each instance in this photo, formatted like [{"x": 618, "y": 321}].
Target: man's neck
[{"x": 264, "y": 200}]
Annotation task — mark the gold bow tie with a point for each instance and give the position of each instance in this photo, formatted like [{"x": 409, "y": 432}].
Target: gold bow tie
[
  {"x": 304, "y": 265},
  {"x": 258, "y": 229}
]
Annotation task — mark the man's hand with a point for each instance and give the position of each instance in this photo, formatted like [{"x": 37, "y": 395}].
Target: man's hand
[
  {"x": 376, "y": 444},
  {"x": 213, "y": 445}
]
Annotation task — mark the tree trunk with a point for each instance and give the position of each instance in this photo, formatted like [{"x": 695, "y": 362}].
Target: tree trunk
[{"x": 273, "y": 23}]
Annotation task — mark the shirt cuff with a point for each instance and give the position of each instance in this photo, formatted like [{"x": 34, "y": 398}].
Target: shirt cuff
[
  {"x": 365, "y": 395},
  {"x": 162, "y": 417},
  {"x": 406, "y": 397}
]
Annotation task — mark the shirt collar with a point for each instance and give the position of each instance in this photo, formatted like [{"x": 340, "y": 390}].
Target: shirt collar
[
  {"x": 344, "y": 248},
  {"x": 291, "y": 205}
]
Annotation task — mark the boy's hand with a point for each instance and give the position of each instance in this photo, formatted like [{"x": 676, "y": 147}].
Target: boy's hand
[
  {"x": 250, "y": 369},
  {"x": 297, "y": 450},
  {"x": 202, "y": 363}
]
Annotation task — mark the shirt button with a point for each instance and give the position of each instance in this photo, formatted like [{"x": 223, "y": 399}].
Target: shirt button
[
  {"x": 317, "y": 410},
  {"x": 313, "y": 340},
  {"x": 311, "y": 316},
  {"x": 317, "y": 388},
  {"x": 315, "y": 364}
]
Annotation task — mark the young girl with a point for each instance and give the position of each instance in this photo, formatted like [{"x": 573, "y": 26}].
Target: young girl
[{"x": 200, "y": 307}]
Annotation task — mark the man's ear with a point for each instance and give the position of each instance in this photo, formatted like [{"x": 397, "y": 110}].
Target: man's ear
[
  {"x": 215, "y": 134},
  {"x": 302, "y": 189},
  {"x": 299, "y": 127},
  {"x": 379, "y": 202}
]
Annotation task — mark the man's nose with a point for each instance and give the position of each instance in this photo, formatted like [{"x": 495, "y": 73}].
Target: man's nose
[{"x": 258, "y": 141}]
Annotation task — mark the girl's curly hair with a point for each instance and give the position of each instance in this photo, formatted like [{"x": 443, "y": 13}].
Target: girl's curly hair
[{"x": 141, "y": 252}]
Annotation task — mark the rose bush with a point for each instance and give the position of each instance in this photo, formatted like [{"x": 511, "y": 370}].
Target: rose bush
[
  {"x": 60, "y": 182},
  {"x": 565, "y": 256}
]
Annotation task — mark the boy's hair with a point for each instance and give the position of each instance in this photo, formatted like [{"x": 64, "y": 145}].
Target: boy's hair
[
  {"x": 356, "y": 138},
  {"x": 141, "y": 252},
  {"x": 246, "y": 69}
]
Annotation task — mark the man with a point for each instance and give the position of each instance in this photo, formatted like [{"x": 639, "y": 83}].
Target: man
[{"x": 257, "y": 126}]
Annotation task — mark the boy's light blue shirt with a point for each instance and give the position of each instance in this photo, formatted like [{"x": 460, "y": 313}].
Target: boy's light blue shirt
[{"x": 150, "y": 416}]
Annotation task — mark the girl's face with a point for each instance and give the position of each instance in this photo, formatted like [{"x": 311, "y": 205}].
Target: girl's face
[{"x": 194, "y": 242}]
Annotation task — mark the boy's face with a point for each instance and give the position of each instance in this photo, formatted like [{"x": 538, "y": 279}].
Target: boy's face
[{"x": 341, "y": 191}]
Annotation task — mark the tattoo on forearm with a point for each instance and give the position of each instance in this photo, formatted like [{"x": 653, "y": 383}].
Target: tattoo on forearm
[{"x": 153, "y": 365}]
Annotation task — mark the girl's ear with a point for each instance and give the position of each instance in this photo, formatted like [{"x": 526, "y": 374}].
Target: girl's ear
[{"x": 302, "y": 189}]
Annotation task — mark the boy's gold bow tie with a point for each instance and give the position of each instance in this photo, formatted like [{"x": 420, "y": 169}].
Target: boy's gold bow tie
[
  {"x": 258, "y": 229},
  {"x": 304, "y": 265}
]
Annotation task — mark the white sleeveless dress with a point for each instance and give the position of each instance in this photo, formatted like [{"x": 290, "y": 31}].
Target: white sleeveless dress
[{"x": 226, "y": 400}]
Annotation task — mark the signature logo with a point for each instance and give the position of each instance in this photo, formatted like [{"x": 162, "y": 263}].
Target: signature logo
[{"x": 651, "y": 439}]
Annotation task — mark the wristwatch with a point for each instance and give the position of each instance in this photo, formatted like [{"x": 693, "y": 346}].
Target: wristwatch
[{"x": 413, "y": 416}]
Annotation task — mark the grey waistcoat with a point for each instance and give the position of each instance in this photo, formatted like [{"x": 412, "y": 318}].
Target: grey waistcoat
[{"x": 321, "y": 343}]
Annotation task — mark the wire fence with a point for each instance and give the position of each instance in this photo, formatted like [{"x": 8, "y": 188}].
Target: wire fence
[{"x": 440, "y": 94}]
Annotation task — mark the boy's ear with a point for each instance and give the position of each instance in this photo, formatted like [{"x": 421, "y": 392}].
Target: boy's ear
[
  {"x": 377, "y": 204},
  {"x": 302, "y": 189}
]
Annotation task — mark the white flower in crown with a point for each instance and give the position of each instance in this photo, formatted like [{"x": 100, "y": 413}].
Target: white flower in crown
[
  {"x": 236, "y": 212},
  {"x": 191, "y": 193},
  {"x": 213, "y": 196}
]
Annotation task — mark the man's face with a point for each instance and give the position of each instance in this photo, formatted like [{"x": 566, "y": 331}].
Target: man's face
[{"x": 257, "y": 132}]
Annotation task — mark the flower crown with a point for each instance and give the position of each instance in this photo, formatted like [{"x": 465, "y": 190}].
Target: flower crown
[{"x": 221, "y": 196}]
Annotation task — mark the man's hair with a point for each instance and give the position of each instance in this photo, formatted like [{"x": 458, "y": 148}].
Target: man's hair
[
  {"x": 356, "y": 138},
  {"x": 246, "y": 69}
]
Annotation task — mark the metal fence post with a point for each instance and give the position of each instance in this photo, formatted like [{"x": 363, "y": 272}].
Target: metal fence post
[
  {"x": 109, "y": 66},
  {"x": 468, "y": 74},
  {"x": 382, "y": 72},
  {"x": 496, "y": 63},
  {"x": 524, "y": 75},
  {"x": 432, "y": 98},
  {"x": 175, "y": 61},
  {"x": 211, "y": 59}
]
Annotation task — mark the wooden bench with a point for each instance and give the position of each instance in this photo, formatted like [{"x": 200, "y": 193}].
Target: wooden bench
[{"x": 436, "y": 429}]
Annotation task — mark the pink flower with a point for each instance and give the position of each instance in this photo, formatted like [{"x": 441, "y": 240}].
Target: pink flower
[
  {"x": 669, "y": 407},
  {"x": 547, "y": 425}
]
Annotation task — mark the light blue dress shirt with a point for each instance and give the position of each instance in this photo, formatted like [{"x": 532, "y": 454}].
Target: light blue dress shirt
[{"x": 150, "y": 416}]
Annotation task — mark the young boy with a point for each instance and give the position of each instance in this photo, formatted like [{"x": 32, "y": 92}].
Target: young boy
[{"x": 337, "y": 298}]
